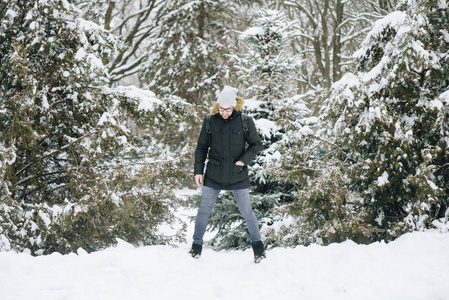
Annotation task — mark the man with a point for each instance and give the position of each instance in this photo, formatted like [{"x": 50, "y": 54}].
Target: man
[{"x": 223, "y": 140}]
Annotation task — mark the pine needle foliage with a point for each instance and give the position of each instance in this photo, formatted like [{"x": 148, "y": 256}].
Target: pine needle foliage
[
  {"x": 185, "y": 58},
  {"x": 387, "y": 170},
  {"x": 73, "y": 173}
]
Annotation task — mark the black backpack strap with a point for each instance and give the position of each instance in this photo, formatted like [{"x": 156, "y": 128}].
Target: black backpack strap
[
  {"x": 244, "y": 124},
  {"x": 208, "y": 123},
  {"x": 208, "y": 116},
  {"x": 244, "y": 121}
]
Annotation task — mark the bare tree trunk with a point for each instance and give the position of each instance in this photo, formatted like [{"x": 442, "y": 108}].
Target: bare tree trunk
[
  {"x": 325, "y": 45},
  {"x": 336, "y": 56},
  {"x": 387, "y": 5}
]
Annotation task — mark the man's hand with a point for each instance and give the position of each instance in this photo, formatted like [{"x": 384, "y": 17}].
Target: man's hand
[
  {"x": 239, "y": 163},
  {"x": 199, "y": 180}
]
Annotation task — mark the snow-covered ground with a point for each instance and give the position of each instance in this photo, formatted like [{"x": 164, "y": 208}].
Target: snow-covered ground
[{"x": 415, "y": 266}]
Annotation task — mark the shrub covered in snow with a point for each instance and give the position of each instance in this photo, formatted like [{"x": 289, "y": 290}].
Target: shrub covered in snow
[
  {"x": 65, "y": 138},
  {"x": 386, "y": 172}
]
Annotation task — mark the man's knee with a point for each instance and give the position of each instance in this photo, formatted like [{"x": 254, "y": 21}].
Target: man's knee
[{"x": 246, "y": 211}]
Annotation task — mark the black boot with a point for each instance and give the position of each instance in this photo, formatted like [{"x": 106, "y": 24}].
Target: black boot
[
  {"x": 259, "y": 252},
  {"x": 196, "y": 250}
]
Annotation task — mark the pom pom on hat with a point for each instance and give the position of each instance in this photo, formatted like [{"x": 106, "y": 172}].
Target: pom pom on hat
[{"x": 228, "y": 95}]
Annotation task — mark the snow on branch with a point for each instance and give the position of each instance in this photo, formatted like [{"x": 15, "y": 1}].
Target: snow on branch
[{"x": 147, "y": 99}]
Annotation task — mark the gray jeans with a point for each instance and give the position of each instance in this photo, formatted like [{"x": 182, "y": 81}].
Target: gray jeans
[{"x": 208, "y": 198}]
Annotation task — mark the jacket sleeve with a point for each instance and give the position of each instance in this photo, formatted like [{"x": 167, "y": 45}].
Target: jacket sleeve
[
  {"x": 254, "y": 142},
  {"x": 202, "y": 148}
]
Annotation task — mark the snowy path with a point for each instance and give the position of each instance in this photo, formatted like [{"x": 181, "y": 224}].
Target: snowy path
[{"x": 416, "y": 266}]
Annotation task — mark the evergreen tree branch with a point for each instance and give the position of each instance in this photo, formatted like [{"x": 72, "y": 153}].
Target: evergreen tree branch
[
  {"x": 332, "y": 144},
  {"x": 55, "y": 152}
]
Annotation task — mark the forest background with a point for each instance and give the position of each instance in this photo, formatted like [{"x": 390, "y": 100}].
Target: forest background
[{"x": 102, "y": 102}]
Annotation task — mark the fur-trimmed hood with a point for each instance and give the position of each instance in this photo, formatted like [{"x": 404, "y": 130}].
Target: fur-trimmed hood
[{"x": 238, "y": 107}]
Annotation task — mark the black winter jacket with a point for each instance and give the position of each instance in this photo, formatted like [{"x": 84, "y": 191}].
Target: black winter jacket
[{"x": 225, "y": 145}]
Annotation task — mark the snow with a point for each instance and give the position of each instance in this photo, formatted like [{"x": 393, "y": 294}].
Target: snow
[
  {"x": 382, "y": 180},
  {"x": 412, "y": 267},
  {"x": 80, "y": 54},
  {"x": 11, "y": 13},
  {"x": 106, "y": 117},
  {"x": 395, "y": 20},
  {"x": 252, "y": 31},
  {"x": 432, "y": 184},
  {"x": 45, "y": 102},
  {"x": 265, "y": 127},
  {"x": 147, "y": 99},
  {"x": 445, "y": 36},
  {"x": 252, "y": 104},
  {"x": 306, "y": 130},
  {"x": 445, "y": 97}
]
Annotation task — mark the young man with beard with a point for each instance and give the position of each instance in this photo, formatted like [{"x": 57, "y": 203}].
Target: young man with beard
[{"x": 230, "y": 141}]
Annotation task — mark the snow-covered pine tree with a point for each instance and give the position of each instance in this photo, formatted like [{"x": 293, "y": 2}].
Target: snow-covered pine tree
[
  {"x": 64, "y": 136},
  {"x": 186, "y": 56},
  {"x": 267, "y": 70},
  {"x": 389, "y": 122},
  {"x": 135, "y": 22}
]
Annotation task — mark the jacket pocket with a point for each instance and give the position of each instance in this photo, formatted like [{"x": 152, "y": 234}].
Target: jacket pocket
[{"x": 239, "y": 173}]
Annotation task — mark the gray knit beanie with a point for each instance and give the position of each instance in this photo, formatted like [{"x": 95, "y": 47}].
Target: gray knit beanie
[{"x": 228, "y": 95}]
